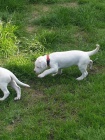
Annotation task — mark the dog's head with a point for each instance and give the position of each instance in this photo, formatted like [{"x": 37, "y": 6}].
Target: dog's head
[{"x": 40, "y": 65}]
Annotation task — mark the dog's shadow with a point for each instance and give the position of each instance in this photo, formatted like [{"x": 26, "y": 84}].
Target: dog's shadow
[{"x": 68, "y": 76}]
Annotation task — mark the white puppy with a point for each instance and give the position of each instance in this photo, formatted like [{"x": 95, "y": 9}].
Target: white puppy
[
  {"x": 7, "y": 77},
  {"x": 58, "y": 60}
]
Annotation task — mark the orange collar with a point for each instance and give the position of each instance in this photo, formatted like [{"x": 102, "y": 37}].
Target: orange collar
[{"x": 48, "y": 60}]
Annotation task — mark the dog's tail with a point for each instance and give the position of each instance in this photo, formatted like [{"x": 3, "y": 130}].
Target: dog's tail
[
  {"x": 17, "y": 81},
  {"x": 94, "y": 51}
]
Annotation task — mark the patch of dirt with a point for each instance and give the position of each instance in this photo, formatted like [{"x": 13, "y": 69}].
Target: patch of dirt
[
  {"x": 30, "y": 29},
  {"x": 45, "y": 8},
  {"x": 38, "y": 9},
  {"x": 36, "y": 13},
  {"x": 35, "y": 93},
  {"x": 98, "y": 69},
  {"x": 70, "y": 4},
  {"x": 10, "y": 128},
  {"x": 33, "y": 97}
]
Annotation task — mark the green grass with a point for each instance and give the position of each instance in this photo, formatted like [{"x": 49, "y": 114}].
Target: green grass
[
  {"x": 49, "y": 1},
  {"x": 55, "y": 108},
  {"x": 12, "y": 5}
]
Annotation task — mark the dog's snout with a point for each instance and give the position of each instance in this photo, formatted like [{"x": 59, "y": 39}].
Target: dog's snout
[{"x": 35, "y": 71}]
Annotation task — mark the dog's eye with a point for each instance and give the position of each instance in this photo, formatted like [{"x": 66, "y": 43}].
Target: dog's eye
[{"x": 38, "y": 67}]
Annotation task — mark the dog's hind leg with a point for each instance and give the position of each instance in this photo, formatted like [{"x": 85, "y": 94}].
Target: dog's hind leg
[
  {"x": 6, "y": 92},
  {"x": 83, "y": 69},
  {"x": 59, "y": 71},
  {"x": 90, "y": 64},
  {"x": 17, "y": 89}
]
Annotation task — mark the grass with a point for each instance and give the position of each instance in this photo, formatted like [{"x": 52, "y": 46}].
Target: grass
[{"x": 55, "y": 108}]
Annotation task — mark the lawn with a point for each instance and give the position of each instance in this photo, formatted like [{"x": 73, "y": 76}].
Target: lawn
[{"x": 59, "y": 107}]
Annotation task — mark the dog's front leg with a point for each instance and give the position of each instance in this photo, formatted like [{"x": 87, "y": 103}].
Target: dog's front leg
[
  {"x": 49, "y": 71},
  {"x": 5, "y": 91},
  {"x": 59, "y": 72}
]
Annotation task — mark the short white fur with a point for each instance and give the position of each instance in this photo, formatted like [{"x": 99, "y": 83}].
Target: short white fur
[
  {"x": 60, "y": 60},
  {"x": 7, "y": 77}
]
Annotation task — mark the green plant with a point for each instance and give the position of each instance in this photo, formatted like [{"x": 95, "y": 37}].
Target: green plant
[
  {"x": 57, "y": 18},
  {"x": 21, "y": 66},
  {"x": 32, "y": 45},
  {"x": 8, "y": 40},
  {"x": 47, "y": 38},
  {"x": 12, "y": 5},
  {"x": 83, "y": 16},
  {"x": 49, "y": 1},
  {"x": 43, "y": 1}
]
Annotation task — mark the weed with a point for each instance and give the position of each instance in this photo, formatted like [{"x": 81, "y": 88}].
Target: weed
[
  {"x": 21, "y": 66},
  {"x": 8, "y": 40},
  {"x": 32, "y": 46},
  {"x": 12, "y": 5}
]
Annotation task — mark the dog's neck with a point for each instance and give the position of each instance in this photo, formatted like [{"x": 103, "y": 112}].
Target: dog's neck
[{"x": 48, "y": 60}]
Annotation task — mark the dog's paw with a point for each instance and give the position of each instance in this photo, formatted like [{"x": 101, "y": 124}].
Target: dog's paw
[
  {"x": 79, "y": 78},
  {"x": 40, "y": 76},
  {"x": 17, "y": 98},
  {"x": 54, "y": 74}
]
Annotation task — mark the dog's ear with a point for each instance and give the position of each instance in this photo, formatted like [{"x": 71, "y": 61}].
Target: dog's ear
[
  {"x": 43, "y": 64},
  {"x": 40, "y": 59}
]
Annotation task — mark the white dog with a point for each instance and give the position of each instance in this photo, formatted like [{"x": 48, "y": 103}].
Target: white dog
[
  {"x": 58, "y": 60},
  {"x": 7, "y": 77}
]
